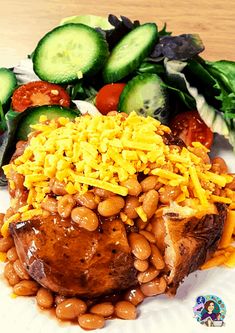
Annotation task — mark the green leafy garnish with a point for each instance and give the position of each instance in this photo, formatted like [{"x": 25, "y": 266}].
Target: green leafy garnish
[
  {"x": 180, "y": 47},
  {"x": 224, "y": 74},
  {"x": 2, "y": 119},
  {"x": 212, "y": 117}
]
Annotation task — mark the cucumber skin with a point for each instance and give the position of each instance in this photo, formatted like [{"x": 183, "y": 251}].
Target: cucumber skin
[
  {"x": 137, "y": 79},
  {"x": 12, "y": 77},
  {"x": 111, "y": 77},
  {"x": 98, "y": 62},
  {"x": 30, "y": 113}
]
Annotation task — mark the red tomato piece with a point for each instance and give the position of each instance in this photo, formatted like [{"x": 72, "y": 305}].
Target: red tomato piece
[
  {"x": 189, "y": 127},
  {"x": 39, "y": 93},
  {"x": 107, "y": 98}
]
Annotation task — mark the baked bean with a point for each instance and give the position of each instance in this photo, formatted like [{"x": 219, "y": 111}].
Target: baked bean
[
  {"x": 158, "y": 229},
  {"x": 231, "y": 185},
  {"x": 57, "y": 187},
  {"x": 105, "y": 309},
  {"x": 130, "y": 205},
  {"x": 114, "y": 113},
  {"x": 87, "y": 199},
  {"x": 149, "y": 227},
  {"x": 158, "y": 186},
  {"x": 150, "y": 203},
  {"x": 20, "y": 270},
  {"x": 26, "y": 288},
  {"x": 152, "y": 165},
  {"x": 102, "y": 193},
  {"x": 12, "y": 254},
  {"x": 51, "y": 205},
  {"x": 59, "y": 299},
  {"x": 149, "y": 183},
  {"x": 124, "y": 115},
  {"x": 10, "y": 211},
  {"x": 91, "y": 321},
  {"x": 44, "y": 298},
  {"x": 217, "y": 190},
  {"x": 141, "y": 224},
  {"x": 70, "y": 309},
  {"x": 45, "y": 214},
  {"x": 111, "y": 206},
  {"x": 229, "y": 194},
  {"x": 219, "y": 165},
  {"x": 85, "y": 217},
  {"x": 148, "y": 235},
  {"x": 1, "y": 220},
  {"x": 135, "y": 296},
  {"x": 223, "y": 193},
  {"x": 125, "y": 310},
  {"x": 6, "y": 243},
  {"x": 140, "y": 246},
  {"x": 18, "y": 180},
  {"x": 65, "y": 205},
  {"x": 20, "y": 147},
  {"x": 141, "y": 265},
  {"x": 156, "y": 257},
  {"x": 10, "y": 274},
  {"x": 141, "y": 197},
  {"x": 200, "y": 152},
  {"x": 154, "y": 287},
  {"x": 133, "y": 186},
  {"x": 168, "y": 193},
  {"x": 148, "y": 275}
]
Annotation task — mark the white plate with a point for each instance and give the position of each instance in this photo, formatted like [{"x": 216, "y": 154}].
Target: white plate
[{"x": 158, "y": 314}]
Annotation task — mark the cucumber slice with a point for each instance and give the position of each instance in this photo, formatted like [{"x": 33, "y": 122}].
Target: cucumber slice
[
  {"x": 7, "y": 84},
  {"x": 92, "y": 21},
  {"x": 129, "y": 53},
  {"x": 31, "y": 116},
  {"x": 145, "y": 95},
  {"x": 68, "y": 52}
]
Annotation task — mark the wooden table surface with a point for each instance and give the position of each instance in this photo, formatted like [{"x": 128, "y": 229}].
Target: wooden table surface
[{"x": 24, "y": 22}]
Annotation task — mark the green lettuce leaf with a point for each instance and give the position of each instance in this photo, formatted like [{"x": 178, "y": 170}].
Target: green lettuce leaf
[
  {"x": 210, "y": 115},
  {"x": 223, "y": 73}
]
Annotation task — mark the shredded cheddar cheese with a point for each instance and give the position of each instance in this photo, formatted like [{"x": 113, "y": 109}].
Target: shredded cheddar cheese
[
  {"x": 104, "y": 152},
  {"x": 5, "y": 227},
  {"x": 141, "y": 213}
]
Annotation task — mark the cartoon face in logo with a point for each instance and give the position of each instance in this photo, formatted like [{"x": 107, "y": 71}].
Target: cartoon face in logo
[{"x": 210, "y": 310}]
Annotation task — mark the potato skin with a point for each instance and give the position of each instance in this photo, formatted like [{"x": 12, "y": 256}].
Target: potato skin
[
  {"x": 73, "y": 261},
  {"x": 191, "y": 242}
]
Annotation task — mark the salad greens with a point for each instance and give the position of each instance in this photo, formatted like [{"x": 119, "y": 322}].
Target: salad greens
[
  {"x": 212, "y": 117},
  {"x": 188, "y": 81},
  {"x": 178, "y": 47}
]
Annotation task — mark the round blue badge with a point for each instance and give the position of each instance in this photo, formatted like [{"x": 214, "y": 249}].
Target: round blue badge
[
  {"x": 201, "y": 299},
  {"x": 209, "y": 310}
]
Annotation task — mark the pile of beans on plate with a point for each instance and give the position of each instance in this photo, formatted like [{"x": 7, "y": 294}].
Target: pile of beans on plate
[{"x": 146, "y": 240}]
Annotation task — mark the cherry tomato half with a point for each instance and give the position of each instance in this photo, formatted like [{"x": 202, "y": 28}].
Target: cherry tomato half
[
  {"x": 39, "y": 93},
  {"x": 107, "y": 98},
  {"x": 189, "y": 127}
]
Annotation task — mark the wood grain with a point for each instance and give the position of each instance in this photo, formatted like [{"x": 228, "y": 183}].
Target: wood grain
[{"x": 24, "y": 22}]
